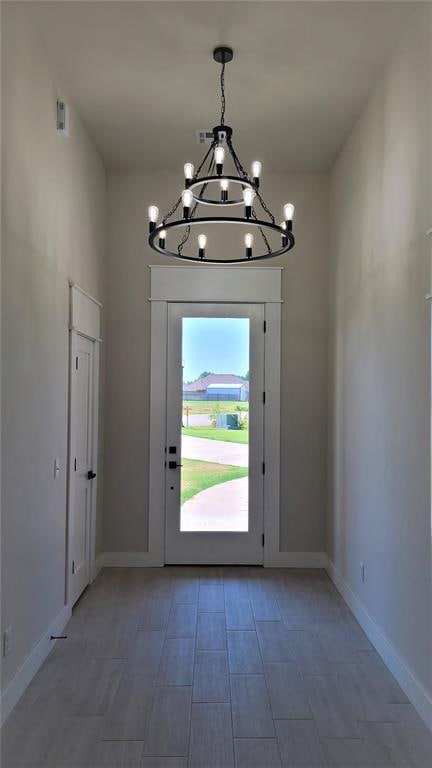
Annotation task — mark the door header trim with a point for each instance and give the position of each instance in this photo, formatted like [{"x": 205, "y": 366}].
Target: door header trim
[{"x": 261, "y": 285}]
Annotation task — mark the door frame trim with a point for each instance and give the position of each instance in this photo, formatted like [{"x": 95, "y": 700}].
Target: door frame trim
[
  {"x": 84, "y": 321},
  {"x": 239, "y": 285}
]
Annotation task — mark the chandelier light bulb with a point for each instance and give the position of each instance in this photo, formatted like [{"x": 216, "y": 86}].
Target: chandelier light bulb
[
  {"x": 256, "y": 171},
  {"x": 202, "y": 242},
  {"x": 188, "y": 172},
  {"x": 219, "y": 157},
  {"x": 248, "y": 240},
  {"x": 153, "y": 214},
  {"x": 224, "y": 190},
  {"x": 284, "y": 236},
  {"x": 248, "y": 196},
  {"x": 187, "y": 198},
  {"x": 288, "y": 215},
  {"x": 162, "y": 238},
  {"x": 288, "y": 212}
]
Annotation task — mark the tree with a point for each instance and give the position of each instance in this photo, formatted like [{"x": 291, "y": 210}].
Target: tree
[
  {"x": 245, "y": 377},
  {"x": 204, "y": 374}
]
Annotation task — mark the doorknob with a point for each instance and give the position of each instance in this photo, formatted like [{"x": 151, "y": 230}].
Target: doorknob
[
  {"x": 91, "y": 475},
  {"x": 174, "y": 465}
]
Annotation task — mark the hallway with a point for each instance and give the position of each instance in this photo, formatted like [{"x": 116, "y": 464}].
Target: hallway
[
  {"x": 216, "y": 199},
  {"x": 220, "y": 667}
]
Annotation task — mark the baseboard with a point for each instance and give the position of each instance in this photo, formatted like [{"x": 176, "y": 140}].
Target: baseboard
[
  {"x": 274, "y": 560},
  {"x": 295, "y": 560},
  {"x": 25, "y": 674},
  {"x": 418, "y": 696},
  {"x": 97, "y": 566},
  {"x": 129, "y": 560}
]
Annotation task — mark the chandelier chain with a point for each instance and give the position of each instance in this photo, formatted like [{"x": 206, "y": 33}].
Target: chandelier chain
[
  {"x": 265, "y": 208},
  {"x": 209, "y": 151},
  {"x": 240, "y": 170},
  {"x": 184, "y": 240},
  {"x": 260, "y": 229},
  {"x": 172, "y": 211},
  {"x": 223, "y": 102}
]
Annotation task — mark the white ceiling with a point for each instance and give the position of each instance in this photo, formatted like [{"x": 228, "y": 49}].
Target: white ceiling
[{"x": 142, "y": 76}]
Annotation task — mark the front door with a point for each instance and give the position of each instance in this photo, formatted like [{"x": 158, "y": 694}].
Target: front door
[{"x": 214, "y": 445}]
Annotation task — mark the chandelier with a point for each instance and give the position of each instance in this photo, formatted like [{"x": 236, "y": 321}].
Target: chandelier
[{"x": 216, "y": 184}]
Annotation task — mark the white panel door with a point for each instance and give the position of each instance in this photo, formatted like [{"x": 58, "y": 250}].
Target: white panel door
[
  {"x": 81, "y": 474},
  {"x": 214, "y": 445}
]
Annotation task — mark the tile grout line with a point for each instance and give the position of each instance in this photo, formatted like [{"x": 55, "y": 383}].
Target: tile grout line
[
  {"x": 153, "y": 697},
  {"x": 192, "y": 689},
  {"x": 229, "y": 680},
  {"x": 266, "y": 685}
]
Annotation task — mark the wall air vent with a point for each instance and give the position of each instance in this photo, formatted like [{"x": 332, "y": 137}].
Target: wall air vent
[{"x": 205, "y": 136}]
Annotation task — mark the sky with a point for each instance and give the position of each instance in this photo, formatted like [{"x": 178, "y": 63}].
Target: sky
[{"x": 216, "y": 344}]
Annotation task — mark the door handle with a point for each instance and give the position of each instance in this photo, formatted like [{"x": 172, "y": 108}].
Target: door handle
[
  {"x": 173, "y": 465},
  {"x": 91, "y": 475}
]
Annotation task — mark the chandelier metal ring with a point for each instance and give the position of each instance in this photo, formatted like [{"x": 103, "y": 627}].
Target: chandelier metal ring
[
  {"x": 217, "y": 179},
  {"x": 257, "y": 223},
  {"x": 221, "y": 165}
]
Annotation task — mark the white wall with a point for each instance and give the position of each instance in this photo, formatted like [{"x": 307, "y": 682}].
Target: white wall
[
  {"x": 381, "y": 204},
  {"x": 54, "y": 228},
  {"x": 304, "y": 357}
]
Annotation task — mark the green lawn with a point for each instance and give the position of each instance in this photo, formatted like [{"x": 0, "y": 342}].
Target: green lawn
[
  {"x": 196, "y": 476},
  {"x": 215, "y": 406},
  {"x": 212, "y": 433}
]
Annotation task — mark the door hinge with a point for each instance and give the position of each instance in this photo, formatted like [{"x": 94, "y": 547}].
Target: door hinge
[
  {"x": 76, "y": 362},
  {"x": 263, "y": 539},
  {"x": 264, "y": 397},
  {"x": 263, "y": 467},
  {"x": 265, "y": 326},
  {"x": 75, "y": 465},
  {"x": 73, "y": 567}
]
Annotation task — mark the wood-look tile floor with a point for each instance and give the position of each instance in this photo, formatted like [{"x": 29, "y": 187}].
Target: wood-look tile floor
[{"x": 193, "y": 667}]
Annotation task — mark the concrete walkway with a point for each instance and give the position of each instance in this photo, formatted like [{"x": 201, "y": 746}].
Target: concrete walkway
[
  {"x": 217, "y": 451},
  {"x": 222, "y": 507}
]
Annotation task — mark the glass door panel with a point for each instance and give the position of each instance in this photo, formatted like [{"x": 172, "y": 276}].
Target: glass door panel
[{"x": 215, "y": 424}]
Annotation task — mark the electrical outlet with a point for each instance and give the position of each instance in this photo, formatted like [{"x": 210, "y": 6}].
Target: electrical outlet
[
  {"x": 362, "y": 572},
  {"x": 7, "y": 641}
]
